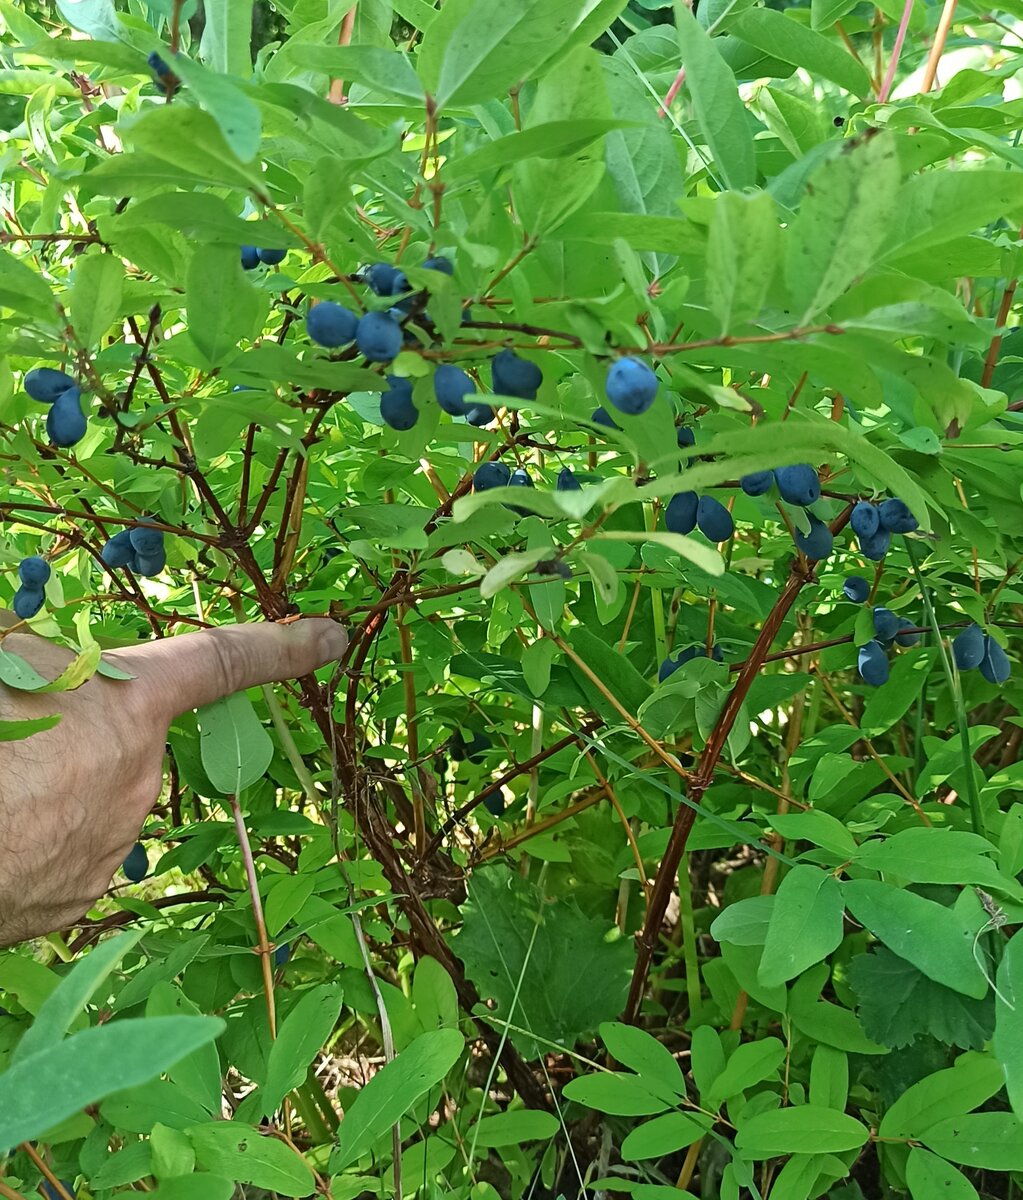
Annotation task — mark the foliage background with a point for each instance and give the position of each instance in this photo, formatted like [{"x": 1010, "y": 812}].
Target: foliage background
[{"x": 529, "y": 1000}]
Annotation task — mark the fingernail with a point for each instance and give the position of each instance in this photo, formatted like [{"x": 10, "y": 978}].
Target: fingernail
[{"x": 333, "y": 641}]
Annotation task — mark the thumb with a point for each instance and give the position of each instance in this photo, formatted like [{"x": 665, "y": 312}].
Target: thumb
[{"x": 181, "y": 673}]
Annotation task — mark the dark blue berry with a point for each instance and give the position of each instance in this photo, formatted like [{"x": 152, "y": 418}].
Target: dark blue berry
[
  {"x": 896, "y": 517},
  {"x": 713, "y": 520},
  {"x": 46, "y": 384},
  {"x": 798, "y": 484},
  {"x": 452, "y": 385},
  {"x": 631, "y": 385},
  {"x": 514, "y": 376},
  {"x": 856, "y": 588},
  {"x": 378, "y": 337},
  {"x": 136, "y": 865},
  {"x": 330, "y": 324},
  {"x": 872, "y": 664},
  {"x": 757, "y": 483},
  {"x": 968, "y": 648},
  {"x": 680, "y": 513},
  {"x": 34, "y": 571},
  {"x": 818, "y": 542},
  {"x": 864, "y": 520}
]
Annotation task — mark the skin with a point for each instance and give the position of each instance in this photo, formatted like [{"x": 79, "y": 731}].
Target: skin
[{"x": 73, "y": 798}]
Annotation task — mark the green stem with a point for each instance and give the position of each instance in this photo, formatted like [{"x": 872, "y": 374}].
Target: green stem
[
  {"x": 287, "y": 743},
  {"x": 976, "y": 812},
  {"x": 688, "y": 927},
  {"x": 308, "y": 1110},
  {"x": 657, "y": 606}
]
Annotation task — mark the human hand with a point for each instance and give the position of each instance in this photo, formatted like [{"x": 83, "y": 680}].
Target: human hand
[{"x": 73, "y": 798}]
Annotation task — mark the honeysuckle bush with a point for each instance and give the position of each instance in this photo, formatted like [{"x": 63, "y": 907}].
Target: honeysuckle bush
[{"x": 598, "y": 866}]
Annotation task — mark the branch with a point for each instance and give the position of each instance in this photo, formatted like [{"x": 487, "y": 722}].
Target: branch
[{"x": 702, "y": 776}]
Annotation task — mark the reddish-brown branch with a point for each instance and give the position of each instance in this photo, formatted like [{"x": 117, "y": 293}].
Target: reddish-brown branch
[
  {"x": 1004, "y": 309},
  {"x": 703, "y": 774},
  {"x": 517, "y": 770}
]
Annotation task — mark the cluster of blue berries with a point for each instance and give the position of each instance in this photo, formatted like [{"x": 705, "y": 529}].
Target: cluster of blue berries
[
  {"x": 254, "y": 256},
  {"x": 889, "y": 630},
  {"x": 65, "y": 422},
  {"x": 378, "y": 337},
  {"x": 139, "y": 548},
  {"x": 497, "y": 474},
  {"x": 800, "y": 486},
  {"x": 874, "y": 525},
  {"x": 974, "y": 648},
  {"x": 33, "y": 573}
]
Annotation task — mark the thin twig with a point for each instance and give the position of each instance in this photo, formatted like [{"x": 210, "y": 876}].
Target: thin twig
[
  {"x": 265, "y": 952},
  {"x": 900, "y": 38}
]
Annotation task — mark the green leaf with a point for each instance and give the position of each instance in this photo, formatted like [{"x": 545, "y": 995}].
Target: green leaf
[
  {"x": 393, "y": 1091},
  {"x": 1008, "y": 1036},
  {"x": 744, "y": 923},
  {"x": 43, "y": 1088},
  {"x": 698, "y": 553},
  {"x": 824, "y": 13},
  {"x": 747, "y": 1065},
  {"x": 974, "y": 1079},
  {"x": 898, "y": 1003},
  {"x": 990, "y": 1141},
  {"x": 788, "y": 39},
  {"x": 554, "y": 140},
  {"x": 510, "y": 568},
  {"x": 236, "y": 750},
  {"x": 806, "y": 925},
  {"x": 96, "y": 288},
  {"x": 535, "y": 958},
  {"x": 226, "y": 37},
  {"x": 221, "y": 305},
  {"x": 78, "y": 671},
  {"x": 612, "y": 668},
  {"x": 719, "y": 110},
  {"x": 547, "y": 191},
  {"x": 133, "y": 1162},
  {"x": 664, "y": 1135},
  {"x": 72, "y": 994},
  {"x": 820, "y": 828},
  {"x": 17, "y": 673},
  {"x": 189, "y": 139},
  {"x": 23, "y": 289},
  {"x": 97, "y": 18},
  {"x": 842, "y": 222},
  {"x": 388, "y": 72},
  {"x": 537, "y": 659},
  {"x": 922, "y": 855},
  {"x": 929, "y": 935},
  {"x": 17, "y": 731},
  {"x": 514, "y": 1127},
  {"x": 603, "y": 574},
  {"x": 803, "y": 1129},
  {"x": 742, "y": 255},
  {"x": 201, "y": 1185},
  {"x": 285, "y": 897},
  {"x": 239, "y": 1152},
  {"x": 305, "y": 1029},
  {"x": 476, "y": 50},
  {"x": 650, "y": 1059},
  {"x": 928, "y": 1176},
  {"x": 234, "y": 111},
  {"x": 616, "y": 1094}
]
